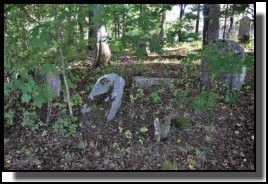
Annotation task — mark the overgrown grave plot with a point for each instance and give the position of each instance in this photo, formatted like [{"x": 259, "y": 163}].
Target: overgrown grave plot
[{"x": 209, "y": 143}]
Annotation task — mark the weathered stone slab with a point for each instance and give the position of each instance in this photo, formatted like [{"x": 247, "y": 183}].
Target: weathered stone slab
[
  {"x": 54, "y": 84},
  {"x": 162, "y": 128},
  {"x": 244, "y": 28},
  {"x": 146, "y": 82},
  {"x": 233, "y": 80},
  {"x": 105, "y": 99}
]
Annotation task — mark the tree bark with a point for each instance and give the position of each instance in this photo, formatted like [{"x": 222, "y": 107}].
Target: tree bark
[
  {"x": 91, "y": 30},
  {"x": 198, "y": 18},
  {"x": 103, "y": 53},
  {"x": 80, "y": 24},
  {"x": 229, "y": 35},
  {"x": 182, "y": 9},
  {"x": 163, "y": 27},
  {"x": 58, "y": 32},
  {"x": 225, "y": 19},
  {"x": 211, "y": 28}
]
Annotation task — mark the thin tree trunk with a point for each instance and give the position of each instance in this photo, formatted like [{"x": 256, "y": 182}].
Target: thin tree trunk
[
  {"x": 91, "y": 30},
  {"x": 182, "y": 9},
  {"x": 118, "y": 26},
  {"x": 231, "y": 22},
  {"x": 206, "y": 20},
  {"x": 198, "y": 18},
  {"x": 58, "y": 31},
  {"x": 163, "y": 26},
  {"x": 115, "y": 22},
  {"x": 225, "y": 19},
  {"x": 80, "y": 24},
  {"x": 123, "y": 25}
]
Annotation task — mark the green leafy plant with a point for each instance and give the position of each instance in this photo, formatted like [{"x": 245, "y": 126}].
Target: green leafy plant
[
  {"x": 66, "y": 126},
  {"x": 128, "y": 134},
  {"x": 8, "y": 116},
  {"x": 69, "y": 156},
  {"x": 156, "y": 98},
  {"x": 219, "y": 63},
  {"x": 82, "y": 144},
  {"x": 31, "y": 120},
  {"x": 134, "y": 97},
  {"x": 143, "y": 129},
  {"x": 168, "y": 165},
  {"x": 205, "y": 101},
  {"x": 141, "y": 69}
]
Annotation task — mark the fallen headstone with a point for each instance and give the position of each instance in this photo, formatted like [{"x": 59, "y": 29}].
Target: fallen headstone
[{"x": 146, "y": 82}]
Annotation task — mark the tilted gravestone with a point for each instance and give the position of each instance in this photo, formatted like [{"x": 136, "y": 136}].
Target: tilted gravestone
[
  {"x": 104, "y": 99},
  {"x": 225, "y": 61},
  {"x": 244, "y": 28}
]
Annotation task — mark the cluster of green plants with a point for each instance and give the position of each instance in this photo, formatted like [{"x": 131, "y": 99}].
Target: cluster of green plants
[
  {"x": 169, "y": 165},
  {"x": 139, "y": 93},
  {"x": 141, "y": 69},
  {"x": 219, "y": 63},
  {"x": 155, "y": 95},
  {"x": 66, "y": 126},
  {"x": 206, "y": 100}
]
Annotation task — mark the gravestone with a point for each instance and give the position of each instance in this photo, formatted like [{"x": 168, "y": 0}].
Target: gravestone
[
  {"x": 146, "y": 82},
  {"x": 244, "y": 28},
  {"x": 233, "y": 80},
  {"x": 54, "y": 84},
  {"x": 104, "y": 100},
  {"x": 162, "y": 128}
]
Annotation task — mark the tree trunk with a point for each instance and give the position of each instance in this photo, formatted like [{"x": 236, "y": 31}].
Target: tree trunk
[
  {"x": 211, "y": 28},
  {"x": 123, "y": 25},
  {"x": 197, "y": 20},
  {"x": 229, "y": 33},
  {"x": 182, "y": 9},
  {"x": 115, "y": 22},
  {"x": 91, "y": 31},
  {"x": 225, "y": 19},
  {"x": 58, "y": 32},
  {"x": 163, "y": 26},
  {"x": 103, "y": 53},
  {"x": 80, "y": 24}
]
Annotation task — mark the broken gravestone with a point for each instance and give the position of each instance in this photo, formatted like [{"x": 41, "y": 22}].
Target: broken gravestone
[
  {"x": 104, "y": 100},
  {"x": 146, "y": 82},
  {"x": 223, "y": 60},
  {"x": 161, "y": 128},
  {"x": 244, "y": 28}
]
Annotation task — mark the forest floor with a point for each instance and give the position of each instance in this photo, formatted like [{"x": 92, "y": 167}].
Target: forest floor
[{"x": 221, "y": 138}]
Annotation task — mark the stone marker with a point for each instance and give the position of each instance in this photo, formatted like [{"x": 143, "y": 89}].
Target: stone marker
[
  {"x": 244, "y": 28},
  {"x": 107, "y": 94},
  {"x": 232, "y": 80},
  {"x": 162, "y": 128},
  {"x": 54, "y": 84},
  {"x": 146, "y": 82}
]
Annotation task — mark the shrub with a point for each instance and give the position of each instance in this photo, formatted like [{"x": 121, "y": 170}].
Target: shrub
[{"x": 205, "y": 101}]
